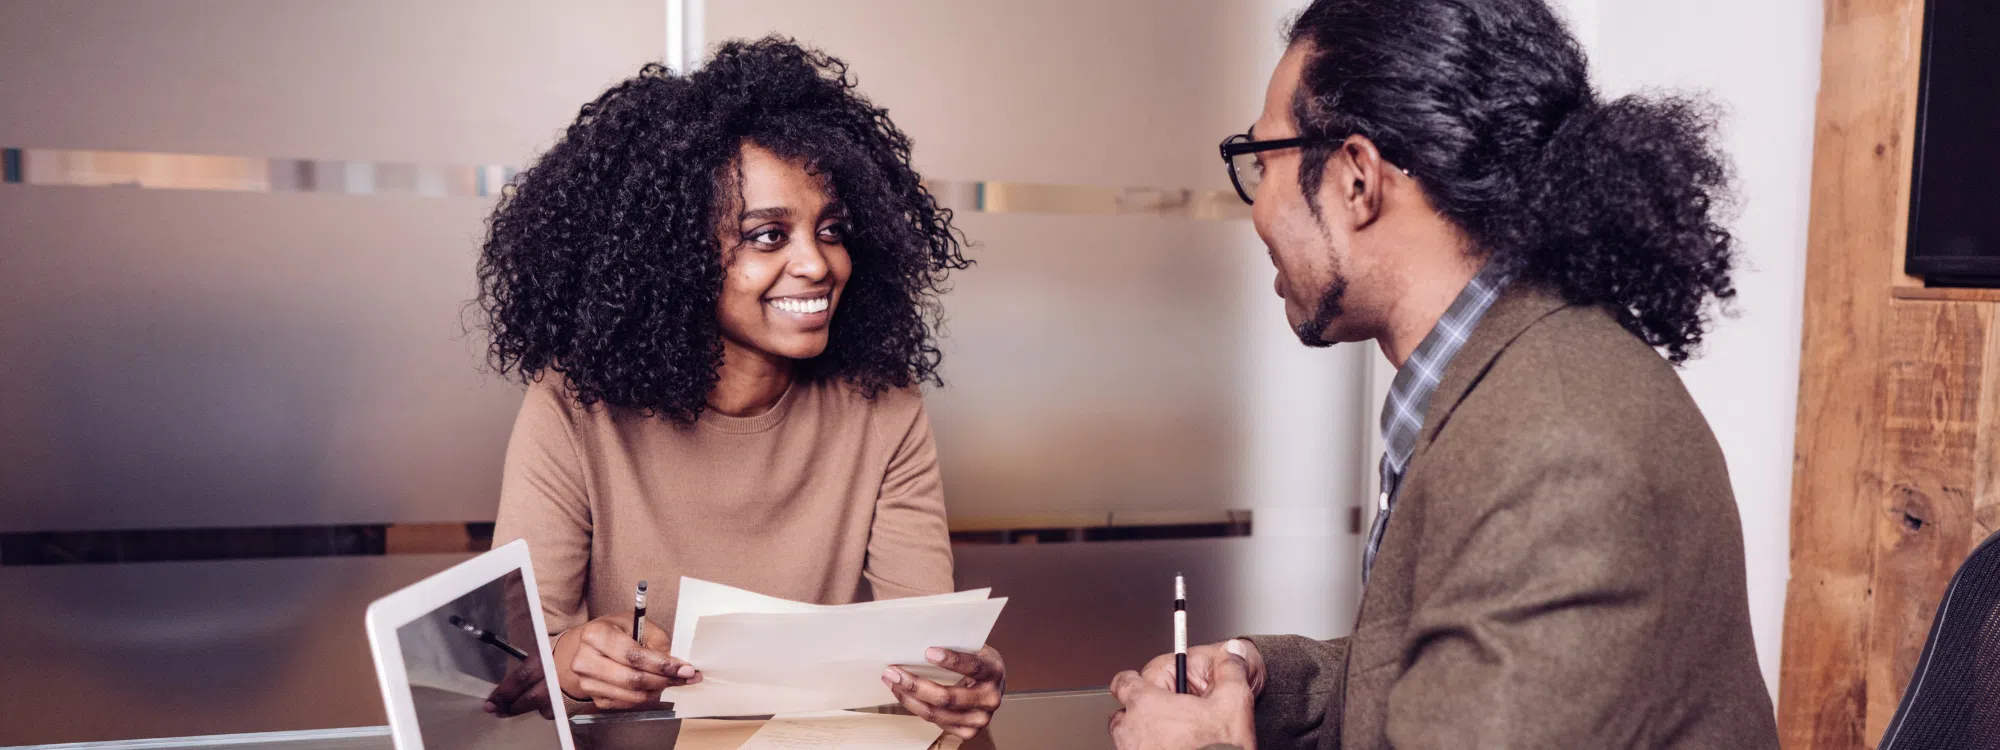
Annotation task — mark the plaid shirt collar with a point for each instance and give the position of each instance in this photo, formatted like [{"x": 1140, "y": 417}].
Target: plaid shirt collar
[{"x": 1410, "y": 393}]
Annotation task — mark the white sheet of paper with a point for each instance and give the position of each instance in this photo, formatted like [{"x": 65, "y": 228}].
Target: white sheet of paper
[
  {"x": 699, "y": 598},
  {"x": 774, "y": 656},
  {"x": 844, "y": 729}
]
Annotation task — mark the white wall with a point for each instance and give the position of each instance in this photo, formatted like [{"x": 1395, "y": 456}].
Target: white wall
[
  {"x": 1760, "y": 60},
  {"x": 1307, "y": 459}
]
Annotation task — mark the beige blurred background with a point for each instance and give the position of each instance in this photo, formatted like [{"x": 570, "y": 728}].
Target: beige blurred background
[{"x": 239, "y": 236}]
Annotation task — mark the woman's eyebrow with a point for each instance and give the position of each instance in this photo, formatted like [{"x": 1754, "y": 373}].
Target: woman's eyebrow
[{"x": 765, "y": 214}]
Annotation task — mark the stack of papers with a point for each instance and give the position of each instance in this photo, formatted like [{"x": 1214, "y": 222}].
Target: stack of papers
[{"x": 762, "y": 655}]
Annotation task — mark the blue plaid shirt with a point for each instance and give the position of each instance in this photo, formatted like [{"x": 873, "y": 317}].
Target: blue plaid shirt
[{"x": 1410, "y": 393}]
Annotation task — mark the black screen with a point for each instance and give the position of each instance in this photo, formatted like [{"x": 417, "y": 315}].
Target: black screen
[{"x": 1955, "y": 217}]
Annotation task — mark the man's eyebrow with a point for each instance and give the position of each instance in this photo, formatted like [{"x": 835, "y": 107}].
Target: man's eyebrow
[{"x": 761, "y": 214}]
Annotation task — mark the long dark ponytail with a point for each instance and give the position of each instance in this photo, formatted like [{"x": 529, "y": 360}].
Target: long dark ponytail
[{"x": 1488, "y": 103}]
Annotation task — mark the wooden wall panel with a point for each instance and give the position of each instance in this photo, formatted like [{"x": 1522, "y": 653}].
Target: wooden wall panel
[
  {"x": 1860, "y": 188},
  {"x": 1986, "y": 457},
  {"x": 1938, "y": 354}
]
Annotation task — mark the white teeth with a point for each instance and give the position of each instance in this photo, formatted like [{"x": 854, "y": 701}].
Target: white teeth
[{"x": 802, "y": 306}]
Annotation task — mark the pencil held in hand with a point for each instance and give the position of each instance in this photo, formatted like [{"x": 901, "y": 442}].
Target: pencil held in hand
[
  {"x": 639, "y": 614},
  {"x": 1180, "y": 634}
]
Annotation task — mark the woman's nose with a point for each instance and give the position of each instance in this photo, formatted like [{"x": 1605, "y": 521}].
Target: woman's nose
[{"x": 808, "y": 260}]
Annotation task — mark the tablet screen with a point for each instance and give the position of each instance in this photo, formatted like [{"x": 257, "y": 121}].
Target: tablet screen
[{"x": 475, "y": 672}]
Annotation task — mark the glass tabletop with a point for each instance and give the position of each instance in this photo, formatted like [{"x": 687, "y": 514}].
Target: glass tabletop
[{"x": 1055, "y": 720}]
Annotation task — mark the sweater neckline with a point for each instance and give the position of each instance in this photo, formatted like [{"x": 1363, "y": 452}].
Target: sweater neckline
[{"x": 771, "y": 417}]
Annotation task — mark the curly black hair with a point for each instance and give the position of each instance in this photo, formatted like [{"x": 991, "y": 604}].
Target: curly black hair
[
  {"x": 601, "y": 262},
  {"x": 1488, "y": 104}
]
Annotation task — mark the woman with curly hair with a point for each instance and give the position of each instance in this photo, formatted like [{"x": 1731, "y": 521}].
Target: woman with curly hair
[{"x": 721, "y": 290}]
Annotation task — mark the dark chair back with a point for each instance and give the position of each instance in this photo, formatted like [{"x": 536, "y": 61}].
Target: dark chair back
[{"x": 1953, "y": 700}]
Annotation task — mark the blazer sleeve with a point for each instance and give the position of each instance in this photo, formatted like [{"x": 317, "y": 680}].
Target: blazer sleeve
[
  {"x": 909, "y": 543},
  {"x": 1536, "y": 617},
  {"x": 1305, "y": 685}
]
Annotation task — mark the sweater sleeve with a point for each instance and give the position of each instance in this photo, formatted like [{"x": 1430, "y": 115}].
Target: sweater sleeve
[
  {"x": 909, "y": 544},
  {"x": 545, "y": 500}
]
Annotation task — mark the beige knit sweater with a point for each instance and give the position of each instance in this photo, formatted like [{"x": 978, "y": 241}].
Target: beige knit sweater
[{"x": 800, "y": 502}]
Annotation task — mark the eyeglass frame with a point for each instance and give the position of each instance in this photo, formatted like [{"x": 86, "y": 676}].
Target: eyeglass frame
[{"x": 1232, "y": 148}]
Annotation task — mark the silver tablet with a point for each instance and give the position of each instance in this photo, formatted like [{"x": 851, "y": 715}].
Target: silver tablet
[{"x": 460, "y": 654}]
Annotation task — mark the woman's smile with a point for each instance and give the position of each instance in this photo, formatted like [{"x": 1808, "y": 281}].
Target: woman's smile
[{"x": 809, "y": 310}]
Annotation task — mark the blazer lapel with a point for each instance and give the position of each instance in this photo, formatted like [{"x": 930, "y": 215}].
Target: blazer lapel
[{"x": 1521, "y": 305}]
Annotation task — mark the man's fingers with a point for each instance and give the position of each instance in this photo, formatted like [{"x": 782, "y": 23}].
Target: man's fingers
[
  {"x": 1229, "y": 666},
  {"x": 1160, "y": 671},
  {"x": 1128, "y": 687},
  {"x": 1227, "y": 674}
]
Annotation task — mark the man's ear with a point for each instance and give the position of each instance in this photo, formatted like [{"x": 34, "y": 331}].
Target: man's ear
[{"x": 1361, "y": 186}]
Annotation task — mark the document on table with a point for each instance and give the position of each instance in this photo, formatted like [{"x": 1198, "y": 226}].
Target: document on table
[
  {"x": 764, "y": 655},
  {"x": 844, "y": 729}
]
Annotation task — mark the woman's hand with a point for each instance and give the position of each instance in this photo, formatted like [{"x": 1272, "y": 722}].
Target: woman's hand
[
  {"x": 961, "y": 709},
  {"x": 598, "y": 661},
  {"x": 521, "y": 691}
]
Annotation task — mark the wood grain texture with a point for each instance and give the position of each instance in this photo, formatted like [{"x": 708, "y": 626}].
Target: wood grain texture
[
  {"x": 1948, "y": 294},
  {"x": 1937, "y": 355},
  {"x": 1986, "y": 451},
  {"x": 1860, "y": 188}
]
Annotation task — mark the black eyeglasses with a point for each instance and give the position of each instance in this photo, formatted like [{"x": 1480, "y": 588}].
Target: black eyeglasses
[
  {"x": 1240, "y": 153},
  {"x": 1246, "y": 173}
]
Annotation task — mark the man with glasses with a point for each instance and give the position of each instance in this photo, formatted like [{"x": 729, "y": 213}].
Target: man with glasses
[{"x": 1556, "y": 559}]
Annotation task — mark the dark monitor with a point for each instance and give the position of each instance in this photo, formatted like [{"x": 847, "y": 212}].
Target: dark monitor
[{"x": 1955, "y": 193}]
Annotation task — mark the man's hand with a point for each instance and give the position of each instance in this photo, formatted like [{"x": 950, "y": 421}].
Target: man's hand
[
  {"x": 962, "y": 709},
  {"x": 1201, "y": 663},
  {"x": 1156, "y": 718}
]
